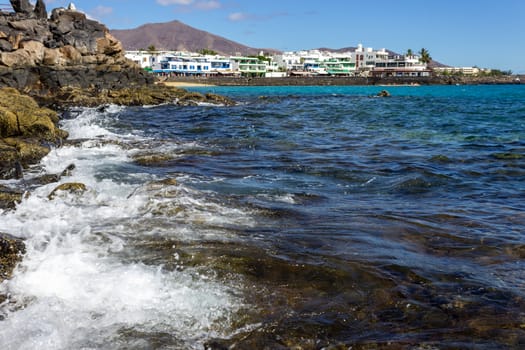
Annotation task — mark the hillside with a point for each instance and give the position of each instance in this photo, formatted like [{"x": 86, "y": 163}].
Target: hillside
[{"x": 176, "y": 35}]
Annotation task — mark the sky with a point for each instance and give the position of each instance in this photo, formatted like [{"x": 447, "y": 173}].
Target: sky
[{"x": 483, "y": 33}]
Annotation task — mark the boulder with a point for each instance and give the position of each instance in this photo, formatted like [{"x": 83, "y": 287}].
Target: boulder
[
  {"x": 35, "y": 49},
  {"x": 40, "y": 9},
  {"x": 24, "y": 25},
  {"x": 31, "y": 120},
  {"x": 21, "y": 6},
  {"x": 5, "y": 45},
  {"x": 25, "y": 132},
  {"x": 18, "y": 58}
]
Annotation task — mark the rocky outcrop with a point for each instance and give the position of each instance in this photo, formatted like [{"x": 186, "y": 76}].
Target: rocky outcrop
[
  {"x": 42, "y": 55},
  {"x": 134, "y": 96}
]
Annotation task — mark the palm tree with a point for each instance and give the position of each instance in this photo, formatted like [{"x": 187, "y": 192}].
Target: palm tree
[
  {"x": 152, "y": 49},
  {"x": 409, "y": 53},
  {"x": 425, "y": 56}
]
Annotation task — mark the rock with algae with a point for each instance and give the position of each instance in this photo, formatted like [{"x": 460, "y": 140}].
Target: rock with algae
[
  {"x": 71, "y": 187},
  {"x": 11, "y": 251}
]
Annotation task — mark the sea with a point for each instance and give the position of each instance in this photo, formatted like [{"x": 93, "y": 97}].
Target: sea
[{"x": 301, "y": 218}]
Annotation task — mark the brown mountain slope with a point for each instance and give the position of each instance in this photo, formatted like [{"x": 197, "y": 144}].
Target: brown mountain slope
[{"x": 176, "y": 35}]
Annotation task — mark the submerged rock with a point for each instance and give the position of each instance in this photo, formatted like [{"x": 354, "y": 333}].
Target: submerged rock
[
  {"x": 152, "y": 159},
  {"x": 383, "y": 93}
]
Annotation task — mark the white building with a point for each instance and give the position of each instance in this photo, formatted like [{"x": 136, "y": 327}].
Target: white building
[
  {"x": 458, "y": 70},
  {"x": 361, "y": 62}
]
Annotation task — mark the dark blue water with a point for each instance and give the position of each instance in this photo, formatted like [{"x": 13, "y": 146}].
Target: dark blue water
[
  {"x": 377, "y": 220},
  {"x": 302, "y": 217}
]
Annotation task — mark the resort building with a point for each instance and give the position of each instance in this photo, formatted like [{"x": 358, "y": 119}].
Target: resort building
[
  {"x": 188, "y": 64},
  {"x": 458, "y": 70},
  {"x": 399, "y": 66},
  {"x": 359, "y": 62}
]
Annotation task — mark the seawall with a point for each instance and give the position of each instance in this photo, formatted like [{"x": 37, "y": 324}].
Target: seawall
[{"x": 341, "y": 81}]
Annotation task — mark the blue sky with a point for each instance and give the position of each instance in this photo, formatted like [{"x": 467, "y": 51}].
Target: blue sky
[{"x": 489, "y": 34}]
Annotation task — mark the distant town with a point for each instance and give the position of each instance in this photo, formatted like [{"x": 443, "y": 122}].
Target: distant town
[{"x": 362, "y": 62}]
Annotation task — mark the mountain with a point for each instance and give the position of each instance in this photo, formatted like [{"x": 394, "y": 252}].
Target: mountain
[{"x": 178, "y": 36}]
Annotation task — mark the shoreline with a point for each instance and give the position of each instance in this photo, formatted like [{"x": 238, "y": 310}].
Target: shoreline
[
  {"x": 340, "y": 81},
  {"x": 183, "y": 84}
]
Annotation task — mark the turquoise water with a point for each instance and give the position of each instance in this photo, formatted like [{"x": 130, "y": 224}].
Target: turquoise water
[{"x": 321, "y": 216}]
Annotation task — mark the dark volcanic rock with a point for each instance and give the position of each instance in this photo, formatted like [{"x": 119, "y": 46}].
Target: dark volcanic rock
[
  {"x": 40, "y": 9},
  {"x": 21, "y": 6},
  {"x": 41, "y": 56}
]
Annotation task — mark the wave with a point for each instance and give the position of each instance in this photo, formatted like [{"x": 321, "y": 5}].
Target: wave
[{"x": 74, "y": 287}]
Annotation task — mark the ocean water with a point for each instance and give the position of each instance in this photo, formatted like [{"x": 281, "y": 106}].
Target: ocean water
[{"x": 302, "y": 217}]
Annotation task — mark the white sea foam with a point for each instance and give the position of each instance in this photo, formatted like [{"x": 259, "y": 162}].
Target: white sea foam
[{"x": 73, "y": 291}]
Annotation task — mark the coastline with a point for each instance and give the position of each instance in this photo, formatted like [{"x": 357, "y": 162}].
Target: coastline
[
  {"x": 183, "y": 84},
  {"x": 341, "y": 81}
]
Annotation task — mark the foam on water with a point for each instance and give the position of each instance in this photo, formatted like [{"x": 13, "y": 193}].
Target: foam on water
[{"x": 71, "y": 290}]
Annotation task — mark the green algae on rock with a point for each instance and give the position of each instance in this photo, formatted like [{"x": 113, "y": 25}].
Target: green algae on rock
[
  {"x": 71, "y": 187},
  {"x": 128, "y": 96},
  {"x": 26, "y": 132},
  {"x": 11, "y": 251}
]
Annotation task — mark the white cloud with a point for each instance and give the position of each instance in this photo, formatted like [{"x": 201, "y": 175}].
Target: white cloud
[
  {"x": 101, "y": 11},
  {"x": 238, "y": 16},
  {"x": 174, "y": 2},
  {"x": 242, "y": 16},
  {"x": 208, "y": 5}
]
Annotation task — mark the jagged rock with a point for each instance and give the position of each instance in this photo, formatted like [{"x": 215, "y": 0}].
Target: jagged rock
[
  {"x": 40, "y": 9},
  {"x": 21, "y": 6},
  {"x": 42, "y": 55},
  {"x": 11, "y": 251}
]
